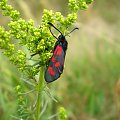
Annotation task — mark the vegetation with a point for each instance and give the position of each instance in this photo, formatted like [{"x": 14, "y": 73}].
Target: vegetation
[
  {"x": 23, "y": 39},
  {"x": 89, "y": 87}
]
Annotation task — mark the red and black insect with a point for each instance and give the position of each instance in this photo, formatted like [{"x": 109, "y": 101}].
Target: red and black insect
[{"x": 56, "y": 63}]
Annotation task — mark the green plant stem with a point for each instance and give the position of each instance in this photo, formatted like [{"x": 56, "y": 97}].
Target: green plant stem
[{"x": 40, "y": 89}]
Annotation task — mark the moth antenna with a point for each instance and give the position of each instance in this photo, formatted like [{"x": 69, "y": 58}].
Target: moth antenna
[
  {"x": 54, "y": 27},
  {"x": 52, "y": 33},
  {"x": 72, "y": 31}
]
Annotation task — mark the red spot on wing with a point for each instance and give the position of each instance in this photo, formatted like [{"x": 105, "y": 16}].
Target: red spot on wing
[
  {"x": 51, "y": 71},
  {"x": 58, "y": 50},
  {"x": 53, "y": 59},
  {"x": 57, "y": 64}
]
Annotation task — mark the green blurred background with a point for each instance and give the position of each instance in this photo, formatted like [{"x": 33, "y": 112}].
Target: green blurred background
[{"x": 89, "y": 88}]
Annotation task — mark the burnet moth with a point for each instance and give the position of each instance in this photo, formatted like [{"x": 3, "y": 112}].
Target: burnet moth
[{"x": 56, "y": 63}]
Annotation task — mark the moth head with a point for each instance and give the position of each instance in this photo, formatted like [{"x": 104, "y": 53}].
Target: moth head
[{"x": 61, "y": 37}]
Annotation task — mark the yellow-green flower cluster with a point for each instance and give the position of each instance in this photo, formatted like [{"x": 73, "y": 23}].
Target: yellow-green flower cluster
[
  {"x": 8, "y": 10},
  {"x": 59, "y": 17},
  {"x": 16, "y": 56},
  {"x": 62, "y": 113},
  {"x": 47, "y": 17},
  {"x": 71, "y": 18},
  {"x": 4, "y": 38},
  {"x": 32, "y": 71},
  {"x": 19, "y": 59},
  {"x": 75, "y": 5},
  {"x": 37, "y": 40}
]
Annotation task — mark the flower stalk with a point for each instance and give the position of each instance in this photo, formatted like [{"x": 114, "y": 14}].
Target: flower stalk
[{"x": 39, "y": 94}]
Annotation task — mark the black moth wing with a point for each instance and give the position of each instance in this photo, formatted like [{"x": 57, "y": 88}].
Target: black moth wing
[{"x": 56, "y": 64}]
